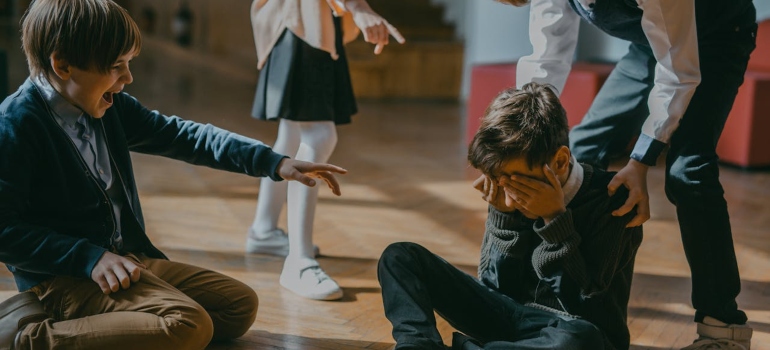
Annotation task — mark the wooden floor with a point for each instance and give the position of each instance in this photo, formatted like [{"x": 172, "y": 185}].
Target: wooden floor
[{"x": 408, "y": 181}]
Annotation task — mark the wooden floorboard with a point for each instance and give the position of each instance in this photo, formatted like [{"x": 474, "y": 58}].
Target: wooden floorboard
[{"x": 408, "y": 181}]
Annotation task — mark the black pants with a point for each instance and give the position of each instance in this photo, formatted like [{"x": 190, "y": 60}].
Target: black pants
[
  {"x": 415, "y": 282},
  {"x": 692, "y": 172}
]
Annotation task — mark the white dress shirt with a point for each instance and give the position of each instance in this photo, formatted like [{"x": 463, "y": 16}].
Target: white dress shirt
[{"x": 669, "y": 26}]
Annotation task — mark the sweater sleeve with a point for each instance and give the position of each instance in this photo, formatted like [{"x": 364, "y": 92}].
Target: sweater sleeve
[
  {"x": 200, "y": 144},
  {"x": 505, "y": 251},
  {"x": 579, "y": 266}
]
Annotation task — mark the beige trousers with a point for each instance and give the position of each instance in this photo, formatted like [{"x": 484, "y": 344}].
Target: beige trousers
[{"x": 172, "y": 306}]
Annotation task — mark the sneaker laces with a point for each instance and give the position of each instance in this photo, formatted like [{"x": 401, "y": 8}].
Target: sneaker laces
[
  {"x": 715, "y": 344},
  {"x": 318, "y": 273}
]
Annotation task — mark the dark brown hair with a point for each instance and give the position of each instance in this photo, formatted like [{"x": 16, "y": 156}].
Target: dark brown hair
[
  {"x": 529, "y": 122},
  {"x": 88, "y": 34}
]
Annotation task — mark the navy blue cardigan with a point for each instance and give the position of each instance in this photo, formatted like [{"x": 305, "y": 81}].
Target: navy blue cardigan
[{"x": 54, "y": 217}]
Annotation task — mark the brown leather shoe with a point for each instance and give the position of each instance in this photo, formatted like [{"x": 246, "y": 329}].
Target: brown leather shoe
[{"x": 15, "y": 313}]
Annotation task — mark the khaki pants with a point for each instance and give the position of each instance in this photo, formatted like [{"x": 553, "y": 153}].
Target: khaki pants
[{"x": 172, "y": 306}]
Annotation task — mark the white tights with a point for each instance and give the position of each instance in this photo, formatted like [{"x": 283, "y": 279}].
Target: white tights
[{"x": 311, "y": 142}]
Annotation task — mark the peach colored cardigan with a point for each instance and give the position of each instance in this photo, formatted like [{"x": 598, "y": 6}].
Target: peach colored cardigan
[{"x": 310, "y": 20}]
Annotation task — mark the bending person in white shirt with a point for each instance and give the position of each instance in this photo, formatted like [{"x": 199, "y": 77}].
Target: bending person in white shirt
[{"x": 676, "y": 85}]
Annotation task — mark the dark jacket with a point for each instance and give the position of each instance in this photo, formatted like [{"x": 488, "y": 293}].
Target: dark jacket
[
  {"x": 55, "y": 219},
  {"x": 580, "y": 264}
]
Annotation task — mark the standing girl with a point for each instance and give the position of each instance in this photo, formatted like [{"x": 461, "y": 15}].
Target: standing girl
[{"x": 304, "y": 83}]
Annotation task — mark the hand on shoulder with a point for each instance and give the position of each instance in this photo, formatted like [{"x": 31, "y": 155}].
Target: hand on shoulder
[{"x": 634, "y": 177}]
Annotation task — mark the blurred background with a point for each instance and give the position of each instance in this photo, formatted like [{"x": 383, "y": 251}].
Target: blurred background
[{"x": 409, "y": 180}]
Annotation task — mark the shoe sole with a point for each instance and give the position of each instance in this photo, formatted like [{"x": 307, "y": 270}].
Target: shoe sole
[{"x": 337, "y": 295}]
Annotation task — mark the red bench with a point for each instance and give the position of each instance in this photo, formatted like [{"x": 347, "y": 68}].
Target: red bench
[{"x": 745, "y": 140}]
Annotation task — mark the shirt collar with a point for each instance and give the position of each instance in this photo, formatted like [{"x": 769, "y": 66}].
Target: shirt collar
[
  {"x": 574, "y": 181},
  {"x": 65, "y": 113}
]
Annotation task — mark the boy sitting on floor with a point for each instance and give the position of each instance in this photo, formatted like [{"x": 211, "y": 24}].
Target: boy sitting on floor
[
  {"x": 71, "y": 226},
  {"x": 556, "y": 265}
]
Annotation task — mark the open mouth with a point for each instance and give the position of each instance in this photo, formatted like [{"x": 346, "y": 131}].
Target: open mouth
[{"x": 107, "y": 97}]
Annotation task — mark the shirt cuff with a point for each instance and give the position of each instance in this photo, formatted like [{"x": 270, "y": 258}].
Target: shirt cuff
[
  {"x": 647, "y": 150},
  {"x": 274, "y": 160}
]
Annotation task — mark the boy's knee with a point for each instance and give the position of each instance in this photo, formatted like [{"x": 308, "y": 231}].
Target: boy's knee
[
  {"x": 399, "y": 251},
  {"x": 241, "y": 315},
  {"x": 397, "y": 255},
  {"x": 191, "y": 326},
  {"x": 690, "y": 180}
]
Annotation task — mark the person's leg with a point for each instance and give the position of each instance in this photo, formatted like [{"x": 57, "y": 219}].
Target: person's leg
[
  {"x": 301, "y": 273},
  {"x": 231, "y": 304},
  {"x": 151, "y": 314},
  {"x": 550, "y": 333},
  {"x": 415, "y": 282},
  {"x": 318, "y": 140},
  {"x": 264, "y": 235},
  {"x": 618, "y": 111},
  {"x": 692, "y": 177}
]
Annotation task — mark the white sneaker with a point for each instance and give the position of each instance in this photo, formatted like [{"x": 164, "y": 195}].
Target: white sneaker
[
  {"x": 305, "y": 277},
  {"x": 275, "y": 243},
  {"x": 715, "y": 334}
]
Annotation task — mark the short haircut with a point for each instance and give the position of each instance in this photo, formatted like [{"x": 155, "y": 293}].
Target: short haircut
[
  {"x": 88, "y": 34},
  {"x": 529, "y": 122}
]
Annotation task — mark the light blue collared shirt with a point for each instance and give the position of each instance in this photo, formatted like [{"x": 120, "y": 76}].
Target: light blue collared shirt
[{"x": 88, "y": 138}]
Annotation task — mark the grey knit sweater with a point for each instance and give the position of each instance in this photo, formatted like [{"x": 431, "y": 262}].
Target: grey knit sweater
[{"x": 580, "y": 264}]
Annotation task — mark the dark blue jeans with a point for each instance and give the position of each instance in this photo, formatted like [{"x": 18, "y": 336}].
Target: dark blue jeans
[
  {"x": 415, "y": 282},
  {"x": 692, "y": 172}
]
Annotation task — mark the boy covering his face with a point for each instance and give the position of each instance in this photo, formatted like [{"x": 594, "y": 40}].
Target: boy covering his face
[{"x": 556, "y": 265}]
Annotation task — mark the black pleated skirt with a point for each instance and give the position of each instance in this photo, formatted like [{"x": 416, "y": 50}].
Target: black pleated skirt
[{"x": 302, "y": 83}]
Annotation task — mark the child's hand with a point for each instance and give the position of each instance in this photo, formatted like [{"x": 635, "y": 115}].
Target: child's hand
[
  {"x": 541, "y": 199},
  {"x": 297, "y": 170},
  {"x": 113, "y": 272},
  {"x": 376, "y": 29},
  {"x": 493, "y": 194}
]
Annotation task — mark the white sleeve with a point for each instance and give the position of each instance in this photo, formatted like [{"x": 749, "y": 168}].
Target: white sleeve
[
  {"x": 553, "y": 32},
  {"x": 671, "y": 31}
]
